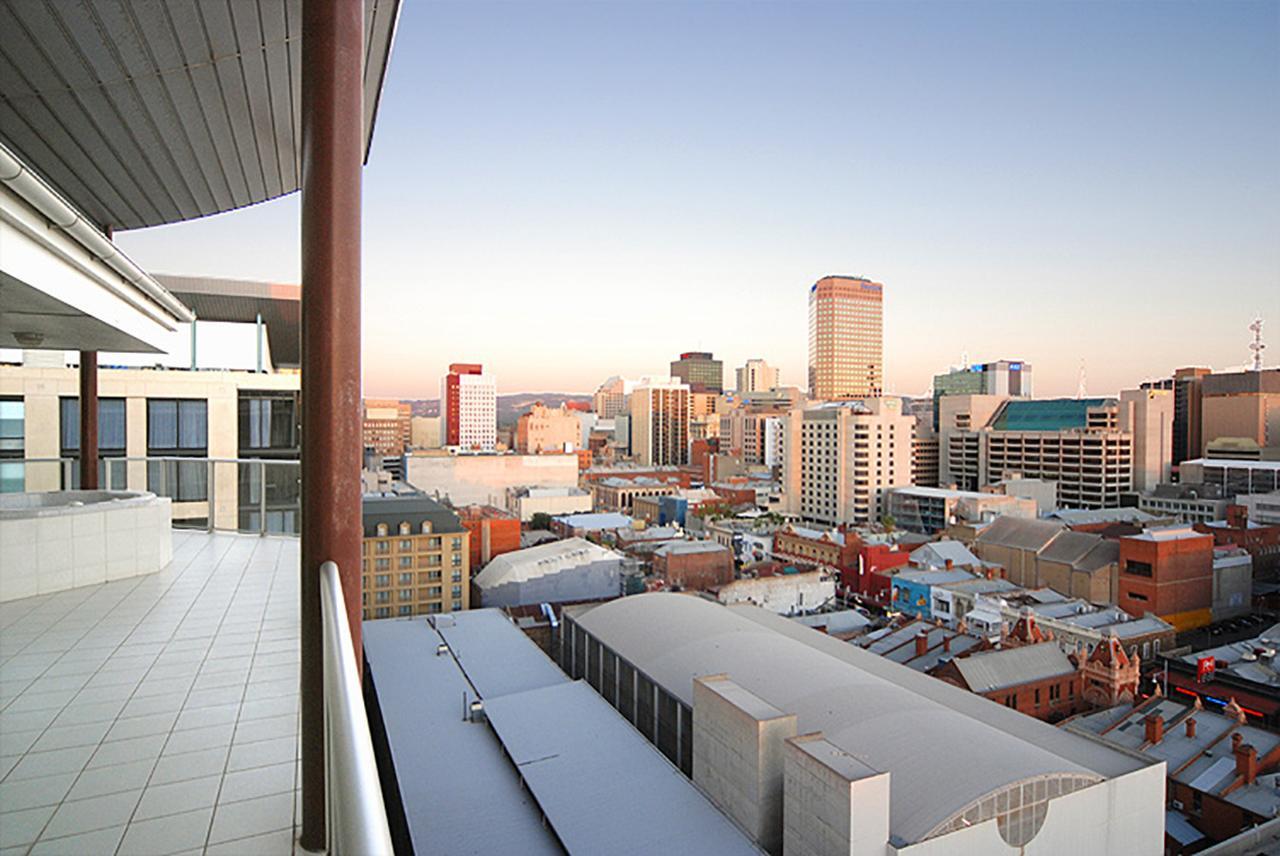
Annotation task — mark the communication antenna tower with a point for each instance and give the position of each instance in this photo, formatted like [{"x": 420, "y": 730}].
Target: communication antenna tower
[
  {"x": 1081, "y": 388},
  {"x": 1257, "y": 346}
]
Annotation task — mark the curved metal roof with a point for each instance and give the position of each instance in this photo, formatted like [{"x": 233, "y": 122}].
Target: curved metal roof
[
  {"x": 142, "y": 113},
  {"x": 941, "y": 758}
]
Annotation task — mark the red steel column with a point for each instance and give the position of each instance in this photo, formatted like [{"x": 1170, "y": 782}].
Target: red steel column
[
  {"x": 332, "y": 153},
  {"x": 88, "y": 420}
]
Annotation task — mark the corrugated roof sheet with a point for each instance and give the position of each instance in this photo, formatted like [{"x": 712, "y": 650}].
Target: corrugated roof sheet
[
  {"x": 604, "y": 787},
  {"x": 993, "y": 670},
  {"x": 533, "y": 562},
  {"x": 1018, "y": 533}
]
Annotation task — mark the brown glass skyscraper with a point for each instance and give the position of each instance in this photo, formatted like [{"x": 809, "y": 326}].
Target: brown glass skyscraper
[
  {"x": 846, "y": 351},
  {"x": 702, "y": 371}
]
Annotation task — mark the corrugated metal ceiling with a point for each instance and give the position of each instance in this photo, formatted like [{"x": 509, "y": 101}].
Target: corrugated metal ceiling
[{"x": 143, "y": 112}]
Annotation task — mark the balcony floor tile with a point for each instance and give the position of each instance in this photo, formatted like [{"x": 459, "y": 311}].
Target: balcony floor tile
[{"x": 156, "y": 714}]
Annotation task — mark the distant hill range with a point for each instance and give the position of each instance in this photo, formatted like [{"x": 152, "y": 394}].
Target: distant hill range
[{"x": 510, "y": 406}]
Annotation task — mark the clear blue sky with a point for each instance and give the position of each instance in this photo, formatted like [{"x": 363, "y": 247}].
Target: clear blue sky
[{"x": 565, "y": 191}]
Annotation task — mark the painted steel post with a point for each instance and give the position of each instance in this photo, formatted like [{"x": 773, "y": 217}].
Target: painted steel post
[
  {"x": 332, "y": 154},
  {"x": 88, "y": 420}
]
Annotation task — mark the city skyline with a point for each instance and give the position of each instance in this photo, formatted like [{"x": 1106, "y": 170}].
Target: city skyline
[{"x": 1003, "y": 170}]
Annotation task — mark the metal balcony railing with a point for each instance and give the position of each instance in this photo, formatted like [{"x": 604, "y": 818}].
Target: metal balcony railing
[
  {"x": 356, "y": 817},
  {"x": 252, "y": 495}
]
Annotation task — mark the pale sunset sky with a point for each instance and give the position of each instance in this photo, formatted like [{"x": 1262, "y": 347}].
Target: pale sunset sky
[{"x": 566, "y": 191}]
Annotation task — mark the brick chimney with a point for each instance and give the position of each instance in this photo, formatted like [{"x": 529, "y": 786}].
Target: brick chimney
[
  {"x": 946, "y": 643},
  {"x": 922, "y": 643},
  {"x": 950, "y": 564},
  {"x": 1191, "y": 727},
  {"x": 1246, "y": 762},
  {"x": 1155, "y": 728}
]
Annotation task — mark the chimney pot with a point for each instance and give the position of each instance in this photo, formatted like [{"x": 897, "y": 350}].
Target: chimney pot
[
  {"x": 922, "y": 643},
  {"x": 950, "y": 564},
  {"x": 1246, "y": 761},
  {"x": 946, "y": 643},
  {"x": 1236, "y": 740},
  {"x": 1191, "y": 727},
  {"x": 1155, "y": 728}
]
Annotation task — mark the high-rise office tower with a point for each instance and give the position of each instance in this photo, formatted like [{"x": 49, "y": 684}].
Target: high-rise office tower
[
  {"x": 659, "y": 422},
  {"x": 846, "y": 350},
  {"x": 757, "y": 376},
  {"x": 469, "y": 407},
  {"x": 1148, "y": 415},
  {"x": 1187, "y": 402},
  {"x": 700, "y": 370}
]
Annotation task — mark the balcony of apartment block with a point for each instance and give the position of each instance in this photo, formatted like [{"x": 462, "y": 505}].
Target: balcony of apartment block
[{"x": 163, "y": 642}]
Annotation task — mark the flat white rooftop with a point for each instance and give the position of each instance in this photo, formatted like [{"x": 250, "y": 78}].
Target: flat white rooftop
[{"x": 157, "y": 714}]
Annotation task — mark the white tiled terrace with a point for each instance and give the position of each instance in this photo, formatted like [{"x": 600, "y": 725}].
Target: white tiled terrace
[{"x": 158, "y": 714}]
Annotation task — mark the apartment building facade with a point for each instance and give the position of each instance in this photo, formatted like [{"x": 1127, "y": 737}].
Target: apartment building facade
[
  {"x": 416, "y": 557},
  {"x": 387, "y": 426},
  {"x": 469, "y": 408},
  {"x": 659, "y": 410},
  {"x": 227, "y": 388},
  {"x": 548, "y": 429},
  {"x": 756, "y": 376},
  {"x": 840, "y": 460}
]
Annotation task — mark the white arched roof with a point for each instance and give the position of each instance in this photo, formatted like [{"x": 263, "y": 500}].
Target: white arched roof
[{"x": 941, "y": 758}]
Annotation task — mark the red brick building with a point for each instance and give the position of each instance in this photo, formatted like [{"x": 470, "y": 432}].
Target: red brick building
[
  {"x": 1168, "y": 572},
  {"x": 493, "y": 532},
  {"x": 1039, "y": 680},
  {"x": 1261, "y": 542},
  {"x": 873, "y": 578},
  {"x": 829, "y": 548},
  {"x": 694, "y": 565},
  {"x": 1215, "y": 762}
]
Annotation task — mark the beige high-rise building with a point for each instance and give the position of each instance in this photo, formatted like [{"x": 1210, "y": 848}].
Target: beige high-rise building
[
  {"x": 1242, "y": 405},
  {"x": 840, "y": 460},
  {"x": 1077, "y": 443},
  {"x": 757, "y": 376},
  {"x": 1147, "y": 414},
  {"x": 610, "y": 399},
  {"x": 846, "y": 331},
  {"x": 548, "y": 429},
  {"x": 660, "y": 422}
]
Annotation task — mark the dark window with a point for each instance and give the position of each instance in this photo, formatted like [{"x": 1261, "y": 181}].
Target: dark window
[
  {"x": 626, "y": 690},
  {"x": 111, "y": 440},
  {"x": 268, "y": 423},
  {"x": 178, "y": 428},
  {"x": 644, "y": 707},
  {"x": 686, "y": 740},
  {"x": 668, "y": 717},
  {"x": 1133, "y": 595},
  {"x": 1141, "y": 569},
  {"x": 609, "y": 683}
]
